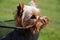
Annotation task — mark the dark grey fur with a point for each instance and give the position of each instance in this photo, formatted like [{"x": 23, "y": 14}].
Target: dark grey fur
[{"x": 21, "y": 35}]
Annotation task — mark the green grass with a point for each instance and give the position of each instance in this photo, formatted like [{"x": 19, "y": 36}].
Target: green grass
[{"x": 50, "y": 8}]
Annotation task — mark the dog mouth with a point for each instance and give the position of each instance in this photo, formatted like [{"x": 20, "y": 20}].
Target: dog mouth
[{"x": 44, "y": 20}]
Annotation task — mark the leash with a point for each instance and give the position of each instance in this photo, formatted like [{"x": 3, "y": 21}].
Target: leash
[
  {"x": 6, "y": 21},
  {"x": 12, "y": 27}
]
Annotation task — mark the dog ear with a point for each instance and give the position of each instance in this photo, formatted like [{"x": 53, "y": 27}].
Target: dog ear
[
  {"x": 21, "y": 5},
  {"x": 20, "y": 9},
  {"x": 19, "y": 14},
  {"x": 34, "y": 1}
]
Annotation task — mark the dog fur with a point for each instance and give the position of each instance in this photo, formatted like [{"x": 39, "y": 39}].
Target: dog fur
[{"x": 28, "y": 15}]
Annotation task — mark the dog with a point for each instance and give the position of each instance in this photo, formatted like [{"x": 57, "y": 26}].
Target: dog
[{"x": 28, "y": 16}]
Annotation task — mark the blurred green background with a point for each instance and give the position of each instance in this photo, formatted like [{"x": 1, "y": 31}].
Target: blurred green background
[{"x": 50, "y": 8}]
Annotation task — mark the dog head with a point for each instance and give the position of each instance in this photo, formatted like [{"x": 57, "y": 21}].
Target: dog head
[{"x": 30, "y": 17}]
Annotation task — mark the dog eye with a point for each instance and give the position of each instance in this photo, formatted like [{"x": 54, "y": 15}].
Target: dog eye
[{"x": 33, "y": 17}]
